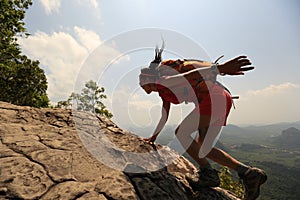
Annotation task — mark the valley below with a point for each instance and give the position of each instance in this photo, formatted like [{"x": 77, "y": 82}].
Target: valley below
[{"x": 274, "y": 148}]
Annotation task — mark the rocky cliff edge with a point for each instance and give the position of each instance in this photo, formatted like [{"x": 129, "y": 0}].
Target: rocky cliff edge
[{"x": 44, "y": 154}]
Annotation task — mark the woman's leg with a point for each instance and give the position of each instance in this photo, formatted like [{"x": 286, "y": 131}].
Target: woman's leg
[
  {"x": 204, "y": 146},
  {"x": 183, "y": 132},
  {"x": 252, "y": 178},
  {"x": 217, "y": 155},
  {"x": 206, "y": 176},
  {"x": 223, "y": 158}
]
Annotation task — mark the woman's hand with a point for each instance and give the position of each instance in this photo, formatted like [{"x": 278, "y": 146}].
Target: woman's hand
[
  {"x": 236, "y": 66},
  {"x": 151, "y": 139}
]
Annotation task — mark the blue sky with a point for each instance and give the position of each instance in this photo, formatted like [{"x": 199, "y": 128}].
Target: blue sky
[{"x": 65, "y": 33}]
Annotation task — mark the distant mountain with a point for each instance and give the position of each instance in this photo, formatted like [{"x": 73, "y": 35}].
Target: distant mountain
[
  {"x": 290, "y": 138},
  {"x": 265, "y": 130},
  {"x": 273, "y": 129},
  {"x": 232, "y": 134},
  {"x": 291, "y": 132},
  {"x": 231, "y": 129}
]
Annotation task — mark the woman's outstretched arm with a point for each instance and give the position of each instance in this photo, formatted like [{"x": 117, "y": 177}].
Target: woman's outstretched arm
[{"x": 236, "y": 66}]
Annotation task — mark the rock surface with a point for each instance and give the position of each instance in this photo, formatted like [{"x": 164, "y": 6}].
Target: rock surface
[{"x": 44, "y": 155}]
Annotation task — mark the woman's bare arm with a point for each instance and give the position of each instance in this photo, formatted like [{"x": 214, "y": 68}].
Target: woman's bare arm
[
  {"x": 236, "y": 66},
  {"x": 164, "y": 117}
]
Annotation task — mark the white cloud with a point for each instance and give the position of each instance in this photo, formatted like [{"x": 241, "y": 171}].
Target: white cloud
[
  {"x": 93, "y": 3},
  {"x": 132, "y": 107},
  {"x": 273, "y": 89},
  {"x": 51, "y": 5},
  {"x": 89, "y": 39},
  {"x": 272, "y": 104},
  {"x": 63, "y": 55}
]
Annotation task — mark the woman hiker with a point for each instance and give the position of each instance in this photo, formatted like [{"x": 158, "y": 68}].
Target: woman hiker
[{"x": 212, "y": 106}]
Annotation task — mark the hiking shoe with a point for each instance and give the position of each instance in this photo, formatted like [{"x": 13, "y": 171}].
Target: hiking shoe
[
  {"x": 205, "y": 178},
  {"x": 253, "y": 178}
]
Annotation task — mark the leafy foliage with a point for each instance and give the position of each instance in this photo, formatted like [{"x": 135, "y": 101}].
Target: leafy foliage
[
  {"x": 89, "y": 100},
  {"x": 228, "y": 183},
  {"x": 22, "y": 82}
]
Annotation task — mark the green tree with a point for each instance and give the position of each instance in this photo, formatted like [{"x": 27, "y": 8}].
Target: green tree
[
  {"x": 22, "y": 81},
  {"x": 89, "y": 100},
  {"x": 228, "y": 183}
]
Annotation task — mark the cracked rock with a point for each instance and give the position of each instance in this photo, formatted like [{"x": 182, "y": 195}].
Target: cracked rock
[
  {"x": 65, "y": 155},
  {"x": 23, "y": 178}
]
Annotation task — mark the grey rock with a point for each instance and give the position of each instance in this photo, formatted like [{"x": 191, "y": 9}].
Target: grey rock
[{"x": 60, "y": 154}]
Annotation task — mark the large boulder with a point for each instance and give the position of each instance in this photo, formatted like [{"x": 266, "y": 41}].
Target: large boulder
[{"x": 60, "y": 154}]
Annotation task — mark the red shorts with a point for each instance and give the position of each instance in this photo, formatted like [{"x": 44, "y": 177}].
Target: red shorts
[{"x": 216, "y": 104}]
